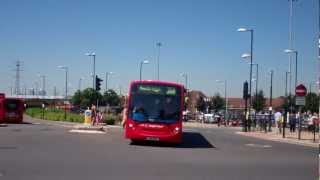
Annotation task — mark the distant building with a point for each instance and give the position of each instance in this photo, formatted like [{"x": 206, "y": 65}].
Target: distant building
[
  {"x": 239, "y": 103},
  {"x": 233, "y": 103},
  {"x": 193, "y": 97}
]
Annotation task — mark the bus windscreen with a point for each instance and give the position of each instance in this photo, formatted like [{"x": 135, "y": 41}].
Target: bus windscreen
[
  {"x": 12, "y": 105},
  {"x": 155, "y": 103}
]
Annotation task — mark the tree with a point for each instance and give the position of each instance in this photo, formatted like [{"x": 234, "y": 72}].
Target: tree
[
  {"x": 288, "y": 103},
  {"x": 201, "y": 104},
  {"x": 258, "y": 101},
  {"x": 77, "y": 98},
  {"x": 312, "y": 103},
  {"x": 86, "y": 98},
  {"x": 110, "y": 97},
  {"x": 217, "y": 102}
]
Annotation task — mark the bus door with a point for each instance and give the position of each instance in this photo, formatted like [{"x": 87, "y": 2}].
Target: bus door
[{"x": 1, "y": 112}]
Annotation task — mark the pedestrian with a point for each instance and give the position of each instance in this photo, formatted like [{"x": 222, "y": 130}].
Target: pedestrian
[
  {"x": 124, "y": 112},
  {"x": 293, "y": 122},
  {"x": 312, "y": 122},
  {"x": 219, "y": 120},
  {"x": 93, "y": 114},
  {"x": 277, "y": 118},
  {"x": 99, "y": 117}
]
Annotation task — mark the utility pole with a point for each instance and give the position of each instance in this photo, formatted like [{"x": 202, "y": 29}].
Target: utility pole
[
  {"x": 43, "y": 77},
  {"x": 17, "y": 77},
  {"x": 54, "y": 91}
]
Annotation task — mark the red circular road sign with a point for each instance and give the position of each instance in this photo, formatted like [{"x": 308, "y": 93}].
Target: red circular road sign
[{"x": 301, "y": 90}]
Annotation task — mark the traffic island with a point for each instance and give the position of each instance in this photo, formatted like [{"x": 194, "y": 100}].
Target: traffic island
[{"x": 88, "y": 129}]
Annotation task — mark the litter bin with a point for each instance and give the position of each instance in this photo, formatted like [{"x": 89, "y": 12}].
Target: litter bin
[{"x": 87, "y": 117}]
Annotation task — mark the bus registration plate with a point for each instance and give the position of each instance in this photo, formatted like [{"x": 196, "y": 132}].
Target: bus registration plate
[
  {"x": 152, "y": 139},
  {"x": 11, "y": 115}
]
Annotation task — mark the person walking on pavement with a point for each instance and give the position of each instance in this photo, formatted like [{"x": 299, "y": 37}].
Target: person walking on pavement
[
  {"x": 292, "y": 122},
  {"x": 277, "y": 118}
]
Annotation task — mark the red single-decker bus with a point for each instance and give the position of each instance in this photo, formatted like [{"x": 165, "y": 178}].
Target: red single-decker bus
[{"x": 155, "y": 111}]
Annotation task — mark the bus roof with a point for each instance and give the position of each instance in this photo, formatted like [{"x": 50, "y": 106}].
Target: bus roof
[{"x": 156, "y": 82}]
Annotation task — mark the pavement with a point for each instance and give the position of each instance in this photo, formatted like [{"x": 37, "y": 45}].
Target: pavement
[
  {"x": 40, "y": 149},
  {"x": 292, "y": 138}
]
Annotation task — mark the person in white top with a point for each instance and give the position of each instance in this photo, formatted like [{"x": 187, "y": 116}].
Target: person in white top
[{"x": 277, "y": 118}]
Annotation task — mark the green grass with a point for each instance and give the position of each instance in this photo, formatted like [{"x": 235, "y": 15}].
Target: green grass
[
  {"x": 54, "y": 115},
  {"x": 58, "y": 115}
]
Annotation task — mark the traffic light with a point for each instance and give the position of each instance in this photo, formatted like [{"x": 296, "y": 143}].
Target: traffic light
[
  {"x": 98, "y": 83},
  {"x": 245, "y": 90}
]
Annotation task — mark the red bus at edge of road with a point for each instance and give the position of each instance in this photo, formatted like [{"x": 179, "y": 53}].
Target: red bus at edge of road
[
  {"x": 155, "y": 111},
  {"x": 11, "y": 110}
]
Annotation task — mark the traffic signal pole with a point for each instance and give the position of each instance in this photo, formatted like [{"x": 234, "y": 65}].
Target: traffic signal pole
[{"x": 97, "y": 87}]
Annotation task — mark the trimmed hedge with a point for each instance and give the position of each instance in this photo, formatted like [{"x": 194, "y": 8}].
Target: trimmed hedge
[{"x": 111, "y": 119}]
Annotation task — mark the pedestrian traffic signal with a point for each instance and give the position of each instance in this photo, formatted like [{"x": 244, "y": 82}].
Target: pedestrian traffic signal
[
  {"x": 245, "y": 90},
  {"x": 98, "y": 83}
]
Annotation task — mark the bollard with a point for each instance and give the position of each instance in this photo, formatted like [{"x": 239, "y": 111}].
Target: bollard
[{"x": 87, "y": 117}]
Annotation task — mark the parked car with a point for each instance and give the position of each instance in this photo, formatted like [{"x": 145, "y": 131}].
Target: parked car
[{"x": 209, "y": 118}]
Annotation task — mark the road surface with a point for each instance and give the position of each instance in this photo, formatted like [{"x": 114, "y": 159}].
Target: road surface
[{"x": 40, "y": 151}]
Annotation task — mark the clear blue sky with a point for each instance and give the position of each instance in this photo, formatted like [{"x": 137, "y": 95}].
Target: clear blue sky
[{"x": 198, "y": 36}]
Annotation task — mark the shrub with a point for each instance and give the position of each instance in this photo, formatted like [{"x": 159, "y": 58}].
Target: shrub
[{"x": 110, "y": 119}]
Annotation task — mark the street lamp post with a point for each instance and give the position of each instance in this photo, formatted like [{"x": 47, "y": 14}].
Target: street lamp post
[
  {"x": 257, "y": 77},
  {"x": 185, "y": 75},
  {"x": 251, "y": 58},
  {"x": 43, "y": 79},
  {"x": 296, "y": 64},
  {"x": 290, "y": 41},
  {"x": 270, "y": 101},
  {"x": 159, "y": 44},
  {"x": 66, "y": 90},
  {"x": 93, "y": 54},
  {"x": 141, "y": 63},
  {"x": 256, "y": 94},
  {"x": 107, "y": 77},
  {"x": 80, "y": 82},
  {"x": 286, "y": 87},
  {"x": 225, "y": 100},
  {"x": 286, "y": 118},
  {"x": 289, "y": 51}
]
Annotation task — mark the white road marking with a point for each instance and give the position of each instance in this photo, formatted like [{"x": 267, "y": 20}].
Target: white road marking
[
  {"x": 3, "y": 125},
  {"x": 87, "y": 131},
  {"x": 259, "y": 145}
]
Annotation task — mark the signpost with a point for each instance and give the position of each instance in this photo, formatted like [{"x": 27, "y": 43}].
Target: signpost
[{"x": 301, "y": 92}]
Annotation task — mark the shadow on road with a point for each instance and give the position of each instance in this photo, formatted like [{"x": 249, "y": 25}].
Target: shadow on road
[
  {"x": 189, "y": 140},
  {"x": 194, "y": 140}
]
